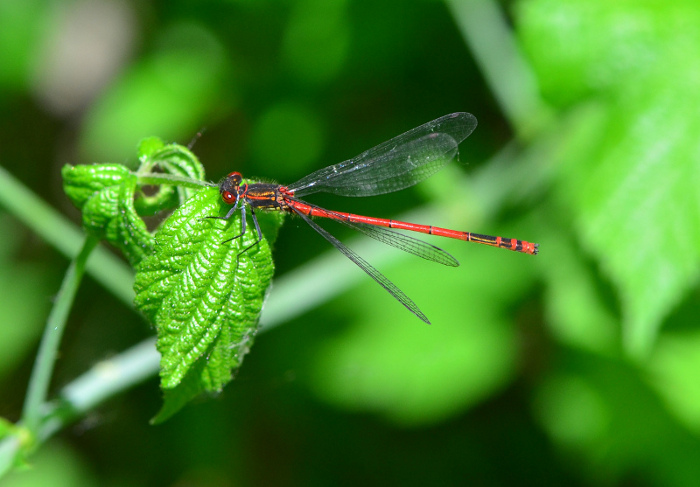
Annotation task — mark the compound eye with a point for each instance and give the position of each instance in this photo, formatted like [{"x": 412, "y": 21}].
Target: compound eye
[
  {"x": 235, "y": 177},
  {"x": 228, "y": 197}
]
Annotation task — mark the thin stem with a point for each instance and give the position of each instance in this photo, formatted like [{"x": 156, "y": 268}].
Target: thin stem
[
  {"x": 43, "y": 367},
  {"x": 65, "y": 236},
  {"x": 10, "y": 446},
  {"x": 104, "y": 380},
  {"x": 162, "y": 178},
  {"x": 486, "y": 32}
]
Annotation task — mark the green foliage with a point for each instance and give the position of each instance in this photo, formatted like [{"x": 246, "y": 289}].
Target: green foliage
[
  {"x": 20, "y": 30},
  {"x": 575, "y": 367},
  {"x": 194, "y": 281},
  {"x": 204, "y": 294},
  {"x": 53, "y": 465},
  {"x": 631, "y": 183},
  {"x": 172, "y": 159},
  {"x": 105, "y": 195}
]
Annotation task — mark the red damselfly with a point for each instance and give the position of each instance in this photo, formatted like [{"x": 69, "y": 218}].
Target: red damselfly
[{"x": 394, "y": 165}]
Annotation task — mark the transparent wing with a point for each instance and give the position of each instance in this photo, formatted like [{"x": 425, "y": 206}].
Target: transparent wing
[
  {"x": 381, "y": 279},
  {"x": 395, "y": 164},
  {"x": 409, "y": 244}
]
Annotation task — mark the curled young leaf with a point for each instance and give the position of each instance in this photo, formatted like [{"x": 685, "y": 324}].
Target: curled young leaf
[
  {"x": 105, "y": 194},
  {"x": 112, "y": 201},
  {"x": 172, "y": 159}
]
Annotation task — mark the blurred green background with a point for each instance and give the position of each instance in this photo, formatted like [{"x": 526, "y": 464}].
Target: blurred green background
[{"x": 576, "y": 367}]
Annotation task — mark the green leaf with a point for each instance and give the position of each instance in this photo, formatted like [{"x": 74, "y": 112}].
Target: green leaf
[
  {"x": 105, "y": 195},
  {"x": 148, "y": 147},
  {"x": 23, "y": 26},
  {"x": 53, "y": 464},
  {"x": 673, "y": 371},
  {"x": 606, "y": 413},
  {"x": 632, "y": 185},
  {"x": 638, "y": 207},
  {"x": 172, "y": 159},
  {"x": 112, "y": 200},
  {"x": 575, "y": 311},
  {"x": 203, "y": 295},
  {"x": 582, "y": 47}
]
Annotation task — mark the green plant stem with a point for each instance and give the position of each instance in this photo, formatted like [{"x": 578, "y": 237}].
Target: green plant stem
[
  {"x": 101, "y": 382},
  {"x": 162, "y": 178},
  {"x": 43, "y": 367},
  {"x": 486, "y": 32},
  {"x": 57, "y": 230}
]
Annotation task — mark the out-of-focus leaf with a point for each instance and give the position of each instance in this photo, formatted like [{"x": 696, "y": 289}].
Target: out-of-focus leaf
[
  {"x": 585, "y": 47},
  {"x": 575, "y": 310},
  {"x": 204, "y": 296},
  {"x": 53, "y": 464},
  {"x": 674, "y": 368},
  {"x": 21, "y": 28},
  {"x": 633, "y": 191},
  {"x": 613, "y": 423},
  {"x": 572, "y": 410},
  {"x": 633, "y": 188},
  {"x": 16, "y": 442},
  {"x": 316, "y": 41},
  {"x": 287, "y": 132},
  {"x": 6, "y": 427}
]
